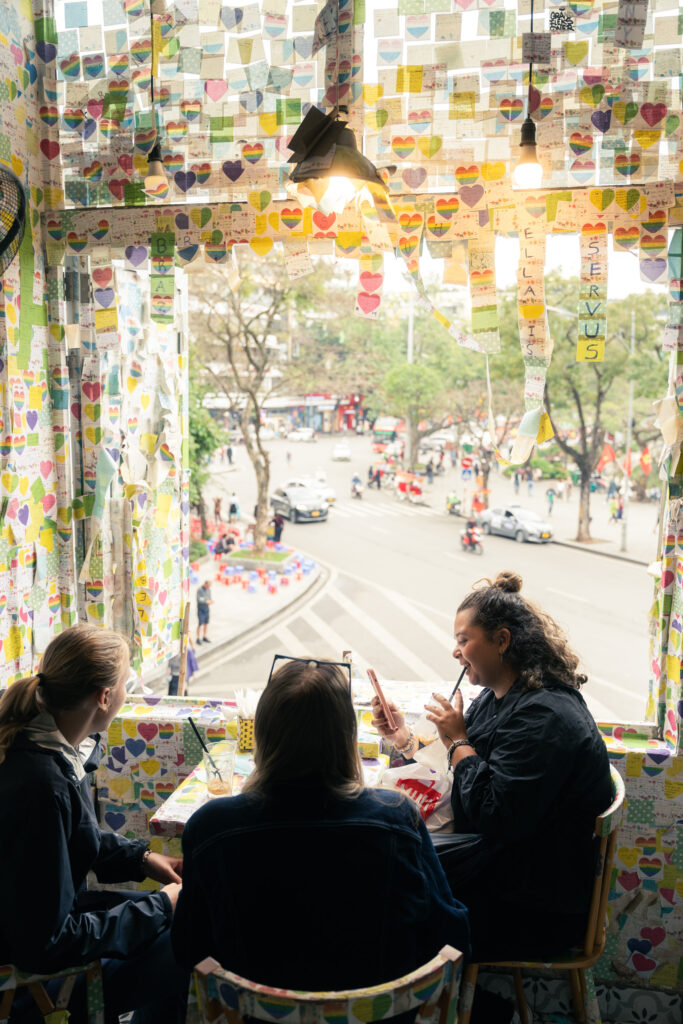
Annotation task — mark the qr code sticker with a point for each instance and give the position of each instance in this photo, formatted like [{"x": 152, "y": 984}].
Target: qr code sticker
[{"x": 561, "y": 20}]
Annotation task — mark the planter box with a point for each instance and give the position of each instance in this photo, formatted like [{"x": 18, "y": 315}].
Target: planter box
[{"x": 248, "y": 560}]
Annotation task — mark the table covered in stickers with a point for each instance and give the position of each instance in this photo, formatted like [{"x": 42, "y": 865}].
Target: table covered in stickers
[{"x": 170, "y": 819}]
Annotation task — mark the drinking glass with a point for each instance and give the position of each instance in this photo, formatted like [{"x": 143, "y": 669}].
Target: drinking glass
[{"x": 219, "y": 765}]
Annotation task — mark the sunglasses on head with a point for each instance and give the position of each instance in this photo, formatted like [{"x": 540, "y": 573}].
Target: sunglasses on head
[{"x": 306, "y": 661}]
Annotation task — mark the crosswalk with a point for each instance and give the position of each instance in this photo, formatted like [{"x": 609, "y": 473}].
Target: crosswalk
[
  {"x": 388, "y": 508},
  {"x": 400, "y": 638}
]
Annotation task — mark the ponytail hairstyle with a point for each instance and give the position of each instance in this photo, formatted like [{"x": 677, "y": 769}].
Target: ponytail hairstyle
[
  {"x": 79, "y": 661},
  {"x": 538, "y": 650}
]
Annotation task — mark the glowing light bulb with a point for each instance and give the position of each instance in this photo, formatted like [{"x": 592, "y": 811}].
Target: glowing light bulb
[
  {"x": 527, "y": 174},
  {"x": 337, "y": 196}
]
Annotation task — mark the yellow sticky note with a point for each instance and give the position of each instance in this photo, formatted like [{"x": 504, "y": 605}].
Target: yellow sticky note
[
  {"x": 35, "y": 522},
  {"x": 590, "y": 350},
  {"x": 163, "y": 509},
  {"x": 35, "y": 397},
  {"x": 545, "y": 429},
  {"x": 47, "y": 538},
  {"x": 148, "y": 442},
  {"x": 13, "y": 645},
  {"x": 409, "y": 78},
  {"x": 106, "y": 319}
]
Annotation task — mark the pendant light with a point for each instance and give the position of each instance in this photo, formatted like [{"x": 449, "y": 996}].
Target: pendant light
[
  {"x": 528, "y": 172},
  {"x": 156, "y": 182},
  {"x": 330, "y": 169}
]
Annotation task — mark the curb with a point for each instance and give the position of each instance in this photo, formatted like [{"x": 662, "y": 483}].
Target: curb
[
  {"x": 603, "y": 554},
  {"x": 207, "y": 659}
]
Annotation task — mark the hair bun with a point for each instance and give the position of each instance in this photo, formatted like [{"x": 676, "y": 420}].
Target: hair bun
[{"x": 509, "y": 582}]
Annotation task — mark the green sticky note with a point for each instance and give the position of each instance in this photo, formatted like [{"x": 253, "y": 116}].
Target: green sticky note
[
  {"x": 288, "y": 110},
  {"x": 220, "y": 129}
]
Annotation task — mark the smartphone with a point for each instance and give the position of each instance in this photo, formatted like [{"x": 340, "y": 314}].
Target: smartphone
[{"x": 391, "y": 721}]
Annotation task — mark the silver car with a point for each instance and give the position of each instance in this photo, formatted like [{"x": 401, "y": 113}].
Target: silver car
[
  {"x": 299, "y": 504},
  {"x": 516, "y": 522}
]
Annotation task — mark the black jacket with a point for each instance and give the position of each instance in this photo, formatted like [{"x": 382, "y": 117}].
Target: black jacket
[
  {"x": 307, "y": 891},
  {"x": 538, "y": 781},
  {"x": 50, "y": 840}
]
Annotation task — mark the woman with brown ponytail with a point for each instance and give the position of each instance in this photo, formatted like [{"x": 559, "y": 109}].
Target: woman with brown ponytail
[
  {"x": 50, "y": 725},
  {"x": 530, "y": 775}
]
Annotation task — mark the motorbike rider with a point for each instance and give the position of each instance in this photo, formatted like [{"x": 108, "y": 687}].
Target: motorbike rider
[
  {"x": 356, "y": 485},
  {"x": 471, "y": 532}
]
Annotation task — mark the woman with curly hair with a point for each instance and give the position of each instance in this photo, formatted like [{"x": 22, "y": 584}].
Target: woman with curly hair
[{"x": 530, "y": 775}]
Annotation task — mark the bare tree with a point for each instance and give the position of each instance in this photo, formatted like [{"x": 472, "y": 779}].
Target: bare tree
[{"x": 239, "y": 325}]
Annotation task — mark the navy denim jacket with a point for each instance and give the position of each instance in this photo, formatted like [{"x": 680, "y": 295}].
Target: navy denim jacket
[
  {"x": 50, "y": 840},
  {"x": 300, "y": 889}
]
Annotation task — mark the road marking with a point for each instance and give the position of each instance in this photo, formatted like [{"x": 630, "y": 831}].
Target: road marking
[
  {"x": 422, "y": 671},
  {"x": 572, "y": 597},
  {"x": 338, "y": 644},
  {"x": 395, "y": 595},
  {"x": 289, "y": 641},
  {"x": 460, "y": 558}
]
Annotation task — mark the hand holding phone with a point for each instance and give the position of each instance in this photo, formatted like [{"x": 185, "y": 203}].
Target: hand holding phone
[{"x": 391, "y": 721}]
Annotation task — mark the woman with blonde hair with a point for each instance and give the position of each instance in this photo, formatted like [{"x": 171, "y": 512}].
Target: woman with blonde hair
[
  {"x": 50, "y": 726},
  {"x": 282, "y": 883}
]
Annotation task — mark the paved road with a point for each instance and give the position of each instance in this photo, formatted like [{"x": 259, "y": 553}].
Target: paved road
[{"x": 398, "y": 574}]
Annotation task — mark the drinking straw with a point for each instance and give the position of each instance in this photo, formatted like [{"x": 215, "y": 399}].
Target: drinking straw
[
  {"x": 455, "y": 688},
  {"x": 206, "y": 749}
]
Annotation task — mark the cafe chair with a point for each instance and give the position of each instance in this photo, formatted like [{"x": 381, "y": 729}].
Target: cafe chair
[
  {"x": 432, "y": 989},
  {"x": 578, "y": 961},
  {"x": 11, "y": 979}
]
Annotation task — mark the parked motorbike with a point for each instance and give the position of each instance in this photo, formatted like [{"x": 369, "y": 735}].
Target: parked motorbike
[
  {"x": 470, "y": 540},
  {"x": 356, "y": 489}
]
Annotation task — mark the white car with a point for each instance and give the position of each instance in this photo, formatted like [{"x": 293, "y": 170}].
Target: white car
[
  {"x": 310, "y": 484},
  {"x": 302, "y": 434},
  {"x": 341, "y": 452}
]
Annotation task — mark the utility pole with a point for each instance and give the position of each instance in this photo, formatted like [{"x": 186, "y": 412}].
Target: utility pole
[
  {"x": 629, "y": 414},
  {"x": 410, "y": 358}
]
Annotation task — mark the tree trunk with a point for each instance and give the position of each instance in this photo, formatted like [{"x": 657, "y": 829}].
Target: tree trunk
[
  {"x": 584, "y": 527},
  {"x": 262, "y": 471},
  {"x": 414, "y": 439},
  {"x": 201, "y": 505}
]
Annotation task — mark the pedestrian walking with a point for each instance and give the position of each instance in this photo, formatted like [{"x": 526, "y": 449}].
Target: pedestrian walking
[
  {"x": 288, "y": 456},
  {"x": 223, "y": 454},
  {"x": 203, "y": 605},
  {"x": 559, "y": 489},
  {"x": 234, "y": 509},
  {"x": 612, "y": 490},
  {"x": 377, "y": 478},
  {"x": 453, "y": 452},
  {"x": 515, "y": 481},
  {"x": 612, "y": 510},
  {"x": 277, "y": 523},
  {"x": 529, "y": 474},
  {"x": 550, "y": 498},
  {"x": 430, "y": 472},
  {"x": 217, "y": 502},
  {"x": 228, "y": 452},
  {"x": 568, "y": 490}
]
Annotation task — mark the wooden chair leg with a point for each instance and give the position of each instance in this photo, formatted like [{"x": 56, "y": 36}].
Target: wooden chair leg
[
  {"x": 519, "y": 994},
  {"x": 6, "y": 1000},
  {"x": 577, "y": 995},
  {"x": 469, "y": 983}
]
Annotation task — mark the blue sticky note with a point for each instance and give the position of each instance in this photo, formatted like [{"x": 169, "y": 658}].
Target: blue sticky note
[{"x": 76, "y": 14}]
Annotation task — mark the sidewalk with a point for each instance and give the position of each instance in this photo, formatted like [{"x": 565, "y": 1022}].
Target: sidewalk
[
  {"x": 641, "y": 534},
  {"x": 239, "y": 608}
]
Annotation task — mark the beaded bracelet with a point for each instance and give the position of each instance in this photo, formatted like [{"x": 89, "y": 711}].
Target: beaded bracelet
[{"x": 408, "y": 745}]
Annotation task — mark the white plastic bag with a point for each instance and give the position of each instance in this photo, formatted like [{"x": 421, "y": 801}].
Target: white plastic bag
[{"x": 429, "y": 789}]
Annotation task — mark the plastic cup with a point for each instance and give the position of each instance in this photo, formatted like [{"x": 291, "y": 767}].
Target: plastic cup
[{"x": 219, "y": 774}]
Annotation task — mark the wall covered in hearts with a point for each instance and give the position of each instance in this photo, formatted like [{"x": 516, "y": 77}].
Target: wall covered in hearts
[
  {"x": 93, "y": 498},
  {"x": 37, "y": 594}
]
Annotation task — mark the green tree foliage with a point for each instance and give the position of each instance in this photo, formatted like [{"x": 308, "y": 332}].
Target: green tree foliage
[
  {"x": 585, "y": 400},
  {"x": 205, "y": 436}
]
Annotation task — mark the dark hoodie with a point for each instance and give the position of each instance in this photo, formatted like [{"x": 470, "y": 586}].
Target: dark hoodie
[{"x": 51, "y": 840}]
